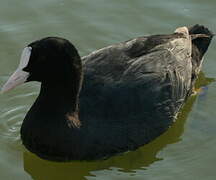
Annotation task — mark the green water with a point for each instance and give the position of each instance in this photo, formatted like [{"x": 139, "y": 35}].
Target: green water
[{"x": 185, "y": 152}]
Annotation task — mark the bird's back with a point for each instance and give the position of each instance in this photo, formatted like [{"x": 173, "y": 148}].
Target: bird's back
[
  {"x": 133, "y": 90},
  {"x": 146, "y": 71}
]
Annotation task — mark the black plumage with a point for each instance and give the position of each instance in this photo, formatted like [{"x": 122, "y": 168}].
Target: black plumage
[{"x": 113, "y": 100}]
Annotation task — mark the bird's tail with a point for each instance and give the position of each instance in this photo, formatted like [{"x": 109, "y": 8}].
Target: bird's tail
[{"x": 201, "y": 38}]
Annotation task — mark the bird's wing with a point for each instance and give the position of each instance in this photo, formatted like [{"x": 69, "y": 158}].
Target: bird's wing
[{"x": 146, "y": 74}]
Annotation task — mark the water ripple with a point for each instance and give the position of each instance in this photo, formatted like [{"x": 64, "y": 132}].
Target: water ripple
[
  {"x": 23, "y": 95},
  {"x": 10, "y": 123}
]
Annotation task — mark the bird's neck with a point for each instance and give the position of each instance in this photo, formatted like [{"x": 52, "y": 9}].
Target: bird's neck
[
  {"x": 59, "y": 101},
  {"x": 60, "y": 96}
]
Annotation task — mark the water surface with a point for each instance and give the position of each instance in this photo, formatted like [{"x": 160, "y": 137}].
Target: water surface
[{"x": 186, "y": 151}]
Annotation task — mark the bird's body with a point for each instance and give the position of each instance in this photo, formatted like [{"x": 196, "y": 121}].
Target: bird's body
[{"x": 128, "y": 94}]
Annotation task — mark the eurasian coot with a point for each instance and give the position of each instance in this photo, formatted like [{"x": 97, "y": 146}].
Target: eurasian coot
[{"x": 114, "y": 100}]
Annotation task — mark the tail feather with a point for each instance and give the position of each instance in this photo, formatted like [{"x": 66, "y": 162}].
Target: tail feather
[{"x": 201, "y": 37}]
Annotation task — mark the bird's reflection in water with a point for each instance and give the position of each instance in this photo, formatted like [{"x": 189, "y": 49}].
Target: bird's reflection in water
[{"x": 141, "y": 158}]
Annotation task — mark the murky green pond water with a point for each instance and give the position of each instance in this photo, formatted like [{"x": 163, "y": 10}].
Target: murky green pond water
[{"x": 186, "y": 151}]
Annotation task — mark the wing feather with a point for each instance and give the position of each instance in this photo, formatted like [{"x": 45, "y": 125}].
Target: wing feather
[{"x": 151, "y": 74}]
